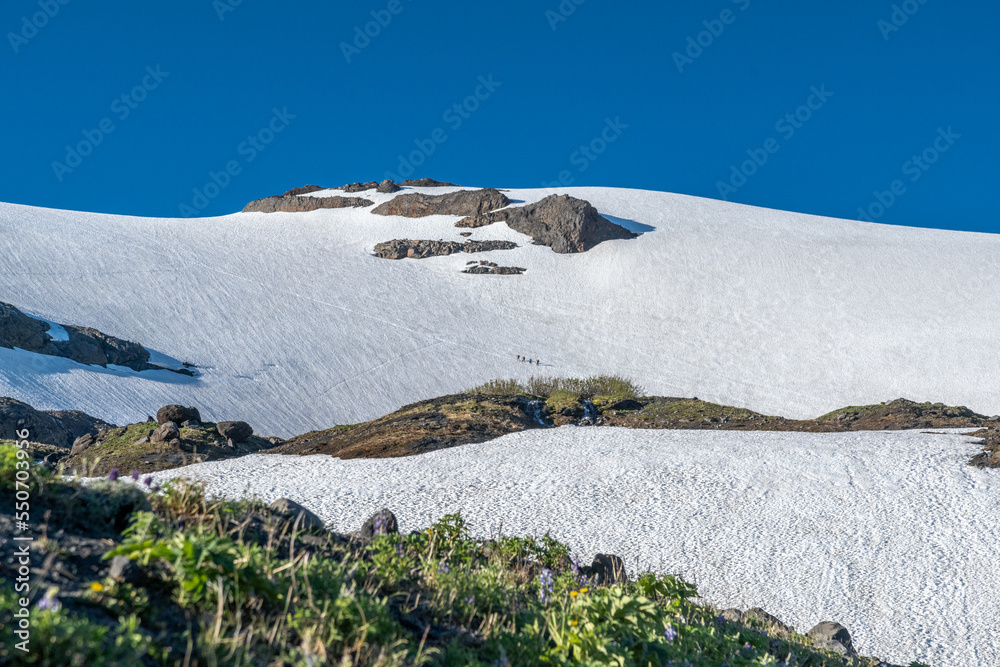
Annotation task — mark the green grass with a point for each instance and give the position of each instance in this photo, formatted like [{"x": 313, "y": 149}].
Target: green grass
[
  {"x": 222, "y": 588},
  {"x": 610, "y": 387}
]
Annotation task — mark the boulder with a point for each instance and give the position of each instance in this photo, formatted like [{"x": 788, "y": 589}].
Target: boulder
[
  {"x": 122, "y": 569},
  {"x": 292, "y": 511},
  {"x": 177, "y": 414},
  {"x": 388, "y": 187},
  {"x": 564, "y": 223},
  {"x": 82, "y": 444},
  {"x": 167, "y": 432},
  {"x": 50, "y": 427},
  {"x": 608, "y": 569},
  {"x": 731, "y": 615},
  {"x": 495, "y": 270},
  {"x": 427, "y": 183},
  {"x": 141, "y": 441},
  {"x": 762, "y": 616},
  {"x": 463, "y": 202},
  {"x": 191, "y": 423},
  {"x": 297, "y": 204},
  {"x": 831, "y": 631},
  {"x": 382, "y": 522},
  {"x": 238, "y": 432}
]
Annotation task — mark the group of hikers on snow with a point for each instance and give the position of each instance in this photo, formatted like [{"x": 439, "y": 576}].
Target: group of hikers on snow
[{"x": 536, "y": 362}]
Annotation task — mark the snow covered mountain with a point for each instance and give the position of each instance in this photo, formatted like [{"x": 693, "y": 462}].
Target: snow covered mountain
[{"x": 296, "y": 325}]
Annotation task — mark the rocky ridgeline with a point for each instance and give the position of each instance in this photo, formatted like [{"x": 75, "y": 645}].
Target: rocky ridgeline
[
  {"x": 463, "y": 202},
  {"x": 403, "y": 248},
  {"x": 297, "y": 204},
  {"x": 385, "y": 187},
  {"x": 85, "y": 345}
]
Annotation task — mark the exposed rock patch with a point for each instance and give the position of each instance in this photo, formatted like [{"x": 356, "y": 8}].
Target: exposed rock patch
[
  {"x": 84, "y": 345},
  {"x": 359, "y": 187},
  {"x": 403, "y": 248},
  {"x": 492, "y": 268},
  {"x": 463, "y": 202},
  {"x": 297, "y": 204},
  {"x": 564, "y": 223},
  {"x": 238, "y": 432},
  {"x": 388, "y": 187},
  {"x": 51, "y": 427},
  {"x": 177, "y": 414}
]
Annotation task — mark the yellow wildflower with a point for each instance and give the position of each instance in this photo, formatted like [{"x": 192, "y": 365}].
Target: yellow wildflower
[
  {"x": 96, "y": 587},
  {"x": 573, "y": 623},
  {"x": 584, "y": 590},
  {"x": 573, "y": 594}
]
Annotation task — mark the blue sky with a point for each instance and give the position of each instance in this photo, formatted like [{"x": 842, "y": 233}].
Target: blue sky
[{"x": 878, "y": 109}]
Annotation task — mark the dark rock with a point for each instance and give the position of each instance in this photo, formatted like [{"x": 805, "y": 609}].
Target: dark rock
[
  {"x": 150, "y": 420},
  {"x": 177, "y": 414},
  {"x": 732, "y": 615},
  {"x": 359, "y": 187},
  {"x": 292, "y": 511},
  {"x": 496, "y": 270},
  {"x": 563, "y": 223},
  {"x": 627, "y": 404},
  {"x": 382, "y": 522},
  {"x": 608, "y": 569},
  {"x": 304, "y": 190},
  {"x": 191, "y": 423},
  {"x": 483, "y": 219},
  {"x": 463, "y": 202},
  {"x": 141, "y": 441},
  {"x": 832, "y": 631},
  {"x": 387, "y": 187},
  {"x": 403, "y": 248},
  {"x": 763, "y": 617},
  {"x": 297, "y": 204},
  {"x": 427, "y": 183},
  {"x": 465, "y": 234},
  {"x": 238, "y": 432},
  {"x": 832, "y": 646},
  {"x": 50, "y": 427},
  {"x": 167, "y": 432},
  {"x": 19, "y": 330},
  {"x": 82, "y": 444}
]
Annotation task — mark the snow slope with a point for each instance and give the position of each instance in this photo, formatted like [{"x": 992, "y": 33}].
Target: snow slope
[
  {"x": 297, "y": 325},
  {"x": 888, "y": 533}
]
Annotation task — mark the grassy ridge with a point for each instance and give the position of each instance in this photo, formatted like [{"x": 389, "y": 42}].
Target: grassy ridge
[{"x": 210, "y": 582}]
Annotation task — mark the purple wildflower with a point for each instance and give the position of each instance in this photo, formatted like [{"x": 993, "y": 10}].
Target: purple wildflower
[
  {"x": 546, "y": 580},
  {"x": 670, "y": 633},
  {"x": 148, "y": 480},
  {"x": 135, "y": 475},
  {"x": 444, "y": 569},
  {"x": 399, "y": 549},
  {"x": 113, "y": 475},
  {"x": 50, "y": 601},
  {"x": 747, "y": 647},
  {"x": 470, "y": 600},
  {"x": 156, "y": 488}
]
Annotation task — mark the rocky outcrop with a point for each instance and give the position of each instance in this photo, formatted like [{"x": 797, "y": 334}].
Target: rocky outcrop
[
  {"x": 463, "y": 202},
  {"x": 304, "y": 190},
  {"x": 52, "y": 427},
  {"x": 297, "y": 204},
  {"x": 564, "y": 223},
  {"x": 359, "y": 187},
  {"x": 388, "y": 187},
  {"x": 608, "y": 569},
  {"x": 427, "y": 183},
  {"x": 403, "y": 248},
  {"x": 166, "y": 432},
  {"x": 492, "y": 268},
  {"x": 84, "y": 345},
  {"x": 238, "y": 432}
]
